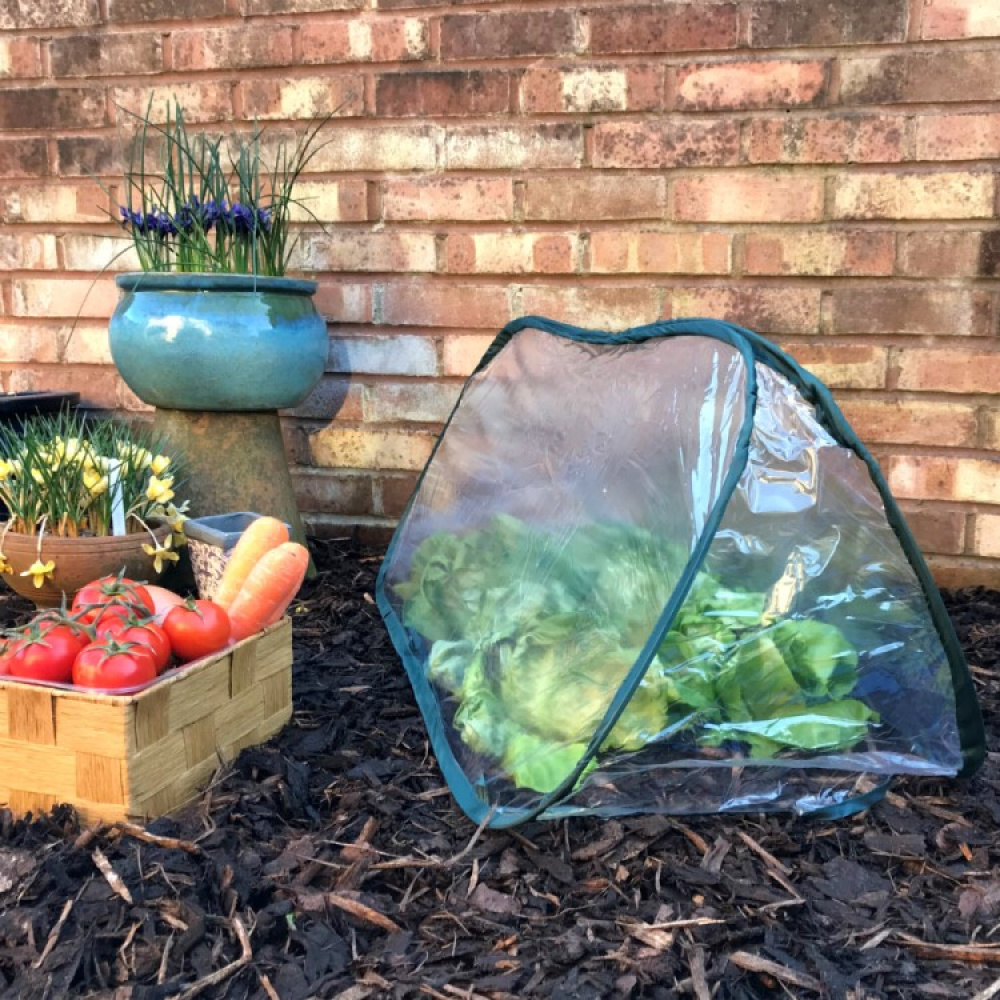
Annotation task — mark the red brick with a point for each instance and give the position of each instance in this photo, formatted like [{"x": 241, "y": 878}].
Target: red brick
[
  {"x": 233, "y": 48},
  {"x": 53, "y": 203},
  {"x": 63, "y": 297},
  {"x": 299, "y": 6},
  {"x": 302, "y": 98},
  {"x": 939, "y": 195},
  {"x": 99, "y": 388},
  {"x": 344, "y": 301},
  {"x": 334, "y": 396},
  {"x": 28, "y": 345},
  {"x": 842, "y": 139},
  {"x": 129, "y": 11},
  {"x": 387, "y": 402},
  {"x": 453, "y": 93},
  {"x": 958, "y": 137},
  {"x": 393, "y": 494},
  {"x": 909, "y": 310},
  {"x": 940, "y": 477},
  {"x": 510, "y": 253},
  {"x": 23, "y": 157},
  {"x": 912, "y": 421},
  {"x": 936, "y": 529},
  {"x": 843, "y": 366},
  {"x": 578, "y": 89},
  {"x": 54, "y": 108},
  {"x": 85, "y": 156},
  {"x": 25, "y": 14},
  {"x": 765, "y": 309},
  {"x": 954, "y": 572},
  {"x": 398, "y": 39},
  {"x": 370, "y": 448},
  {"x": 472, "y": 199},
  {"x": 209, "y": 101},
  {"x": 620, "y": 29},
  {"x": 461, "y": 306},
  {"x": 368, "y": 353},
  {"x": 593, "y": 196},
  {"x": 921, "y": 77},
  {"x": 330, "y": 201},
  {"x": 540, "y": 147},
  {"x": 26, "y": 251},
  {"x": 661, "y": 144},
  {"x": 343, "y": 250},
  {"x": 855, "y": 252},
  {"x": 644, "y": 252},
  {"x": 818, "y": 22},
  {"x": 594, "y": 306},
  {"x": 379, "y": 147},
  {"x": 950, "y": 369},
  {"x": 332, "y": 492},
  {"x": 20, "y": 58},
  {"x": 943, "y": 254},
  {"x": 730, "y": 196},
  {"x": 959, "y": 19},
  {"x": 106, "y": 55},
  {"x": 773, "y": 83},
  {"x": 506, "y": 35},
  {"x": 460, "y": 355}
]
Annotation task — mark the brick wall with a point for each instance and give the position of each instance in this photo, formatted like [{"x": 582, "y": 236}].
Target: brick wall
[{"x": 823, "y": 171}]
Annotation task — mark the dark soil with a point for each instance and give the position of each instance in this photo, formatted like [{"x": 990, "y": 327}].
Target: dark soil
[{"x": 333, "y": 863}]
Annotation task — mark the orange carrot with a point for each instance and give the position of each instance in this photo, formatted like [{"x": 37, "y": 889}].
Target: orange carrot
[
  {"x": 268, "y": 589},
  {"x": 260, "y": 537}
]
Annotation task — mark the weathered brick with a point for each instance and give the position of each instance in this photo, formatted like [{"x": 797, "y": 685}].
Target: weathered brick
[
  {"x": 593, "y": 196},
  {"x": 20, "y": 58},
  {"x": 409, "y": 402},
  {"x": 959, "y": 19},
  {"x": 542, "y": 147},
  {"x": 763, "y": 308},
  {"x": 106, "y": 55},
  {"x": 27, "y": 251},
  {"x": 311, "y": 97},
  {"x": 129, "y": 11},
  {"x": 936, "y": 529},
  {"x": 912, "y": 421},
  {"x": 22, "y": 157},
  {"x": 510, "y": 253},
  {"x": 209, "y": 101},
  {"x": 393, "y": 494},
  {"x": 621, "y": 28},
  {"x": 332, "y": 492},
  {"x": 941, "y": 195},
  {"x": 344, "y": 301},
  {"x": 943, "y": 254},
  {"x": 911, "y": 310},
  {"x": 921, "y": 77},
  {"x": 85, "y": 343},
  {"x": 548, "y": 89},
  {"x": 645, "y": 252},
  {"x": 461, "y": 306},
  {"x": 744, "y": 84},
  {"x": 958, "y": 137},
  {"x": 330, "y": 201},
  {"x": 472, "y": 199},
  {"x": 88, "y": 156},
  {"x": 379, "y": 354},
  {"x": 670, "y": 143},
  {"x": 854, "y": 252},
  {"x": 54, "y": 108},
  {"x": 334, "y": 396},
  {"x": 818, "y": 22},
  {"x": 233, "y": 48},
  {"x": 841, "y": 139},
  {"x": 941, "y": 477},
  {"x": 986, "y": 535},
  {"x": 346, "y": 250},
  {"x": 410, "y": 147},
  {"x": 370, "y": 448},
  {"x": 99, "y": 388},
  {"x": 398, "y": 39},
  {"x": 593, "y": 306},
  {"x": 66, "y": 297},
  {"x": 28, "y": 345},
  {"x": 506, "y": 35},
  {"x": 731, "y": 196},
  {"x": 53, "y": 203},
  {"x": 412, "y": 94},
  {"x": 843, "y": 366},
  {"x": 991, "y": 429},
  {"x": 927, "y": 369},
  {"x": 461, "y": 355},
  {"x": 83, "y": 252},
  {"x": 26, "y": 14}
]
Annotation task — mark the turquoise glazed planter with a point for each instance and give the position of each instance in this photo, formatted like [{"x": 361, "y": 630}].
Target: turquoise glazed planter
[{"x": 218, "y": 341}]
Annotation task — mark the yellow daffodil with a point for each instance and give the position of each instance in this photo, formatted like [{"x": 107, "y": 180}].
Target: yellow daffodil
[
  {"x": 161, "y": 553},
  {"x": 94, "y": 481},
  {"x": 40, "y": 572},
  {"x": 5, "y": 567},
  {"x": 6, "y": 469},
  {"x": 159, "y": 465},
  {"x": 159, "y": 490},
  {"x": 36, "y": 474}
]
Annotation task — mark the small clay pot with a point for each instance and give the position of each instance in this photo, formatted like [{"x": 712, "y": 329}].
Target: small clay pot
[{"x": 78, "y": 562}]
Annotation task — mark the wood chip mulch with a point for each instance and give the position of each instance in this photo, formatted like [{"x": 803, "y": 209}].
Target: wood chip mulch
[{"x": 333, "y": 863}]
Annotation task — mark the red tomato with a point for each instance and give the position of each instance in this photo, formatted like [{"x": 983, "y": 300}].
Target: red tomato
[
  {"x": 116, "y": 590},
  {"x": 143, "y": 633},
  {"x": 46, "y": 654},
  {"x": 111, "y": 666},
  {"x": 196, "y": 628}
]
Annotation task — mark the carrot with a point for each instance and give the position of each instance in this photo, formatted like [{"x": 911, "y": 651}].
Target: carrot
[
  {"x": 268, "y": 589},
  {"x": 260, "y": 537}
]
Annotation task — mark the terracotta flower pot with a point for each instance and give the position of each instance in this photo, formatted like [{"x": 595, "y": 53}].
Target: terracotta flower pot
[{"x": 78, "y": 561}]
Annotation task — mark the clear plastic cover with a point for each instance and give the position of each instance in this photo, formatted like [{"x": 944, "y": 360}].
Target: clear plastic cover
[{"x": 553, "y": 526}]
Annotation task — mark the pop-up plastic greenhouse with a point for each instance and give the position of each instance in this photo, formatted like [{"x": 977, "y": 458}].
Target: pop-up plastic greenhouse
[{"x": 656, "y": 571}]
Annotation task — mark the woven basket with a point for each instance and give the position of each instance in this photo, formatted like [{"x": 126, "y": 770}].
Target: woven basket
[{"x": 143, "y": 755}]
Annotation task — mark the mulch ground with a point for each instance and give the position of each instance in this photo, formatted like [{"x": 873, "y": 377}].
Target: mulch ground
[{"x": 333, "y": 863}]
